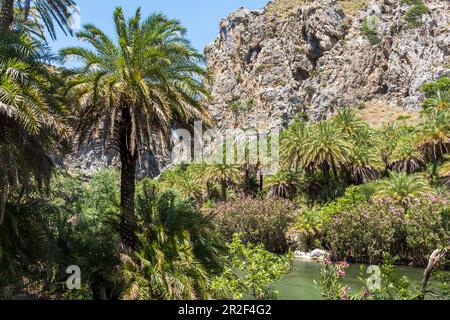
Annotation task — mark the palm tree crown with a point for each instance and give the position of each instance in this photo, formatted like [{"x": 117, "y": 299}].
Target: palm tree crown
[
  {"x": 403, "y": 187},
  {"x": 32, "y": 117},
  {"x": 43, "y": 14}
]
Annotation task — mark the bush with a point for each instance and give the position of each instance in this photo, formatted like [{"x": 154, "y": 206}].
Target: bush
[
  {"x": 383, "y": 284},
  {"x": 414, "y": 13},
  {"x": 309, "y": 224},
  {"x": 252, "y": 270},
  {"x": 368, "y": 231},
  {"x": 72, "y": 225},
  {"x": 258, "y": 220},
  {"x": 370, "y": 33},
  {"x": 179, "y": 250}
]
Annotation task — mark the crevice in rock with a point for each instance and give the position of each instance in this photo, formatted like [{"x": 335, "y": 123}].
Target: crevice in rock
[
  {"x": 300, "y": 74},
  {"x": 253, "y": 53}
]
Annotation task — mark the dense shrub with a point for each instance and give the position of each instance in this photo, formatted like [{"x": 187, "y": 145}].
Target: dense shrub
[
  {"x": 258, "y": 220},
  {"x": 366, "y": 232},
  {"x": 179, "y": 250},
  {"x": 309, "y": 224},
  {"x": 74, "y": 224}
]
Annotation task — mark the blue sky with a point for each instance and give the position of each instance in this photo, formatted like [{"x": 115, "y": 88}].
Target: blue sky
[{"x": 200, "y": 17}]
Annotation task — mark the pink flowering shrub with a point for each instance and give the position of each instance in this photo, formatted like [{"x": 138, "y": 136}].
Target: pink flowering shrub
[
  {"x": 364, "y": 233},
  {"x": 330, "y": 280},
  {"x": 258, "y": 220},
  {"x": 391, "y": 285}
]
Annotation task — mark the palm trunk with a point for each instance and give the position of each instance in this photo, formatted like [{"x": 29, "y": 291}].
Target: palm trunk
[
  {"x": 3, "y": 194},
  {"x": 223, "y": 191},
  {"x": 261, "y": 182},
  {"x": 128, "y": 160},
  {"x": 6, "y": 15},
  {"x": 2, "y": 207}
]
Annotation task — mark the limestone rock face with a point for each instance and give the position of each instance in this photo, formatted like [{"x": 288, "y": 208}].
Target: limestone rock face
[{"x": 265, "y": 68}]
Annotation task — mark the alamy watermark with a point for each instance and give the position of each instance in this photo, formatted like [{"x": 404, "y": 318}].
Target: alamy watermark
[
  {"x": 231, "y": 147},
  {"x": 74, "y": 280}
]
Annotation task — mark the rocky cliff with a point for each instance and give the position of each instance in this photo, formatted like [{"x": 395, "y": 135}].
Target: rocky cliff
[{"x": 315, "y": 57}]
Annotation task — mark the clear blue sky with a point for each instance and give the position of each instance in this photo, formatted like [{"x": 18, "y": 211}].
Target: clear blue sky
[{"x": 200, "y": 17}]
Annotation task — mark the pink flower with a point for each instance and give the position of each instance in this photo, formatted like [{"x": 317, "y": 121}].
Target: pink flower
[
  {"x": 341, "y": 273},
  {"x": 366, "y": 293},
  {"x": 344, "y": 292}
]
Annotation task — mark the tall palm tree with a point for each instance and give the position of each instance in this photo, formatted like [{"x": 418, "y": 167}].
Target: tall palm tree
[
  {"x": 134, "y": 90},
  {"x": 292, "y": 141},
  {"x": 47, "y": 12},
  {"x": 225, "y": 175},
  {"x": 32, "y": 117},
  {"x": 325, "y": 148}
]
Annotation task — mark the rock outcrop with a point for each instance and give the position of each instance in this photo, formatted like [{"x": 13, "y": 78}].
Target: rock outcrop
[{"x": 264, "y": 67}]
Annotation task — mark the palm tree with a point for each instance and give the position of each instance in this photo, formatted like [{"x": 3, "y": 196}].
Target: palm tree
[
  {"x": 282, "y": 185},
  {"x": 434, "y": 135},
  {"x": 46, "y": 12},
  {"x": 134, "y": 91},
  {"x": 405, "y": 156},
  {"x": 225, "y": 175},
  {"x": 402, "y": 187},
  {"x": 365, "y": 163},
  {"x": 292, "y": 141},
  {"x": 32, "y": 117},
  {"x": 348, "y": 122},
  {"x": 183, "y": 181},
  {"x": 325, "y": 148},
  {"x": 179, "y": 255}
]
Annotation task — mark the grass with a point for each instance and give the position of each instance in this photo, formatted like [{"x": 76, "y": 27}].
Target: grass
[
  {"x": 379, "y": 113},
  {"x": 283, "y": 7},
  {"x": 286, "y": 7},
  {"x": 351, "y": 7}
]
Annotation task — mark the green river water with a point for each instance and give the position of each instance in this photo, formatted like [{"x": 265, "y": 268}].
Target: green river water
[{"x": 298, "y": 283}]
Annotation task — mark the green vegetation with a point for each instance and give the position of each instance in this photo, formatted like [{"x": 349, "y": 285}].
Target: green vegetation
[
  {"x": 141, "y": 103},
  {"x": 370, "y": 33},
  {"x": 259, "y": 221},
  {"x": 252, "y": 271},
  {"x": 389, "y": 286},
  {"x": 352, "y": 7},
  {"x": 414, "y": 14}
]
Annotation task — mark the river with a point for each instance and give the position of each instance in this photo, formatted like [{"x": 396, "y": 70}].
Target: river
[{"x": 298, "y": 283}]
